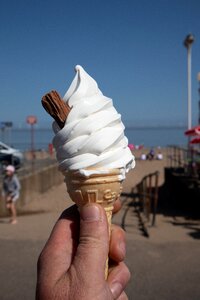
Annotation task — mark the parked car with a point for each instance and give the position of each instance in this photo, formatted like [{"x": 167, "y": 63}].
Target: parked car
[
  {"x": 12, "y": 155},
  {"x": 9, "y": 159}
]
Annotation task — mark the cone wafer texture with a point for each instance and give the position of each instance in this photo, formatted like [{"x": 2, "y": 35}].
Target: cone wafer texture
[{"x": 103, "y": 189}]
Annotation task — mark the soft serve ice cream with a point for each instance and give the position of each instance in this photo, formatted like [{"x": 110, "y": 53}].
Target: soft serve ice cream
[{"x": 92, "y": 140}]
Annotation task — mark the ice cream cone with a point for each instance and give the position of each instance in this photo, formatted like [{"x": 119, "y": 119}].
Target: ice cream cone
[
  {"x": 103, "y": 188},
  {"x": 89, "y": 138}
]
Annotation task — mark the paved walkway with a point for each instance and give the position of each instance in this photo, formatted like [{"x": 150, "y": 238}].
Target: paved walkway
[{"x": 165, "y": 266}]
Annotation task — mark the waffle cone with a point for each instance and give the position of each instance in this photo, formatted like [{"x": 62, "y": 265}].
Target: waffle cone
[{"x": 103, "y": 189}]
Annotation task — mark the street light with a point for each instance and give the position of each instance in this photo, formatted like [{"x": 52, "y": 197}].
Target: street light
[
  {"x": 32, "y": 120},
  {"x": 188, "y": 44},
  {"x": 198, "y": 78}
]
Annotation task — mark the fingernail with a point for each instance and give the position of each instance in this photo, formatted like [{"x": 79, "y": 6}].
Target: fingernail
[
  {"x": 122, "y": 248},
  {"x": 116, "y": 288},
  {"x": 90, "y": 213}
]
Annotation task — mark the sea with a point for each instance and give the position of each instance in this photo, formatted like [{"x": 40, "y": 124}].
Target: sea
[{"x": 40, "y": 138}]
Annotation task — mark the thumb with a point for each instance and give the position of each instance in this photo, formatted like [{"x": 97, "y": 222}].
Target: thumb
[{"x": 93, "y": 245}]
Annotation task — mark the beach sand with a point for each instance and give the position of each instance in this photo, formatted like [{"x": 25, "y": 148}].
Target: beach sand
[{"x": 164, "y": 266}]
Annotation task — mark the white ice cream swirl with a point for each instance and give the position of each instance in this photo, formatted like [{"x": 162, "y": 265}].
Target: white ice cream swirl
[{"x": 92, "y": 139}]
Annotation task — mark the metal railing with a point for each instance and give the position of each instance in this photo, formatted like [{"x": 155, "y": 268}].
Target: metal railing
[
  {"x": 145, "y": 200},
  {"x": 147, "y": 196},
  {"x": 31, "y": 166},
  {"x": 187, "y": 159}
]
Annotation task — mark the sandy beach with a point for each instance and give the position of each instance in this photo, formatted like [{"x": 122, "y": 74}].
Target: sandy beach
[{"x": 164, "y": 266}]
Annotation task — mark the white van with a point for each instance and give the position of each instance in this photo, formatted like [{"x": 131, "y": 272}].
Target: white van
[{"x": 5, "y": 149}]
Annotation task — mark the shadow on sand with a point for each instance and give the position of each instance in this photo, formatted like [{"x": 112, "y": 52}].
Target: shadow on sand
[{"x": 179, "y": 204}]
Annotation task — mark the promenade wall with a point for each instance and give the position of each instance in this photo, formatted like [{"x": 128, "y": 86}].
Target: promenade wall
[
  {"x": 181, "y": 193},
  {"x": 34, "y": 184}
]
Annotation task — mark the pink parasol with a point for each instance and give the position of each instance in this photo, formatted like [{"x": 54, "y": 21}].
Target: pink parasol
[
  {"x": 131, "y": 146},
  {"x": 193, "y": 131},
  {"x": 195, "y": 140}
]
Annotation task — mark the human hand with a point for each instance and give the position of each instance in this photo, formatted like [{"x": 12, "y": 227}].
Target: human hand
[{"x": 72, "y": 263}]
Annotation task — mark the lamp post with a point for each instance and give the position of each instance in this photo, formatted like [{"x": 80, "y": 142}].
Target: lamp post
[
  {"x": 32, "y": 120},
  {"x": 188, "y": 44},
  {"x": 198, "y": 78}
]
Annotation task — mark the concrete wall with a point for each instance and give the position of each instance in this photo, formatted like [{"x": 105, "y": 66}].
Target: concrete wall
[{"x": 33, "y": 184}]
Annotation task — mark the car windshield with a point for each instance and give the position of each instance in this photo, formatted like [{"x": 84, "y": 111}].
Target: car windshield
[{"x": 3, "y": 148}]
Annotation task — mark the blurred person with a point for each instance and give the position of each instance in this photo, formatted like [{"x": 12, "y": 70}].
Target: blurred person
[
  {"x": 72, "y": 263},
  {"x": 151, "y": 154},
  {"x": 11, "y": 189},
  {"x": 159, "y": 155},
  {"x": 143, "y": 156}
]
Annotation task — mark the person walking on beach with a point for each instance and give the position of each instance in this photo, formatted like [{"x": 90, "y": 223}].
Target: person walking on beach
[{"x": 11, "y": 188}]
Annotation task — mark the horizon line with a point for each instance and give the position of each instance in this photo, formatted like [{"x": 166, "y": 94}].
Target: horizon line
[{"x": 128, "y": 127}]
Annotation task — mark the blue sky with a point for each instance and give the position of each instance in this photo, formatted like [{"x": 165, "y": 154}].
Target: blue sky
[{"x": 133, "y": 49}]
